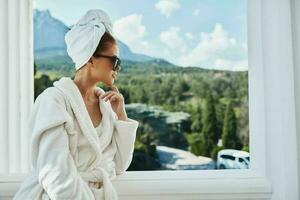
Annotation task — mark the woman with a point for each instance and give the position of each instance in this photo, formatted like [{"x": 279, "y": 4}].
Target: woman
[{"x": 81, "y": 137}]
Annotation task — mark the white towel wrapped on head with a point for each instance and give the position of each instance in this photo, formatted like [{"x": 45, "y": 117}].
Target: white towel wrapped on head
[{"x": 83, "y": 38}]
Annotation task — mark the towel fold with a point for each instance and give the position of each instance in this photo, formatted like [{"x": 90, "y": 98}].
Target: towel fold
[{"x": 83, "y": 38}]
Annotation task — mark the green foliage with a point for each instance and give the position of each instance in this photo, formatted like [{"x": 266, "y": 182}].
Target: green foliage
[
  {"x": 197, "y": 119},
  {"x": 196, "y": 143},
  {"x": 173, "y": 137},
  {"x": 245, "y": 148},
  {"x": 169, "y": 127},
  {"x": 34, "y": 68},
  {"x": 61, "y": 65},
  {"x": 214, "y": 153},
  {"x": 40, "y": 84},
  {"x": 229, "y": 136},
  {"x": 243, "y": 120},
  {"x": 210, "y": 129},
  {"x": 145, "y": 155}
]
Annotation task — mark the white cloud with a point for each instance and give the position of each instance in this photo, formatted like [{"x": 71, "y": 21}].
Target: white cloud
[
  {"x": 129, "y": 29},
  {"x": 240, "y": 65},
  {"x": 166, "y": 52},
  {"x": 216, "y": 50},
  {"x": 196, "y": 12},
  {"x": 132, "y": 32},
  {"x": 172, "y": 39},
  {"x": 167, "y": 7},
  {"x": 189, "y": 35}
]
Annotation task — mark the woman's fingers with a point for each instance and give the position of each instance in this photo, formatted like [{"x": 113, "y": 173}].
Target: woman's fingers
[
  {"x": 105, "y": 94},
  {"x": 111, "y": 92},
  {"x": 114, "y": 97},
  {"x": 108, "y": 96},
  {"x": 114, "y": 88}
]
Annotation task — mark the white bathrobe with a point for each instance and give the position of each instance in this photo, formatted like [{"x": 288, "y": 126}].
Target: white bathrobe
[{"x": 61, "y": 165}]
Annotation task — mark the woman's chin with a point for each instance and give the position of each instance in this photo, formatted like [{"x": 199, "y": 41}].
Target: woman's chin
[{"x": 110, "y": 83}]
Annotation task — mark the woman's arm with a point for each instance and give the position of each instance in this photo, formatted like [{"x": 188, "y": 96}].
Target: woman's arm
[
  {"x": 124, "y": 136},
  {"x": 125, "y": 129}
]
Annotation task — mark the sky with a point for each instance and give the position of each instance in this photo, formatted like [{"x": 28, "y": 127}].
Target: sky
[{"x": 205, "y": 33}]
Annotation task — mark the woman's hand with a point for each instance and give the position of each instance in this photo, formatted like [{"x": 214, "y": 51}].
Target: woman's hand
[{"x": 116, "y": 100}]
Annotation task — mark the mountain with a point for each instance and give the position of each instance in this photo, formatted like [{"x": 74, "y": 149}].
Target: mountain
[
  {"x": 127, "y": 54},
  {"x": 49, "y": 39},
  {"x": 48, "y": 35}
]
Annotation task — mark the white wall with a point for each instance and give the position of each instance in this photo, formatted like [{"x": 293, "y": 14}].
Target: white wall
[
  {"x": 280, "y": 121},
  {"x": 16, "y": 83},
  {"x": 3, "y": 81},
  {"x": 295, "y": 8}
]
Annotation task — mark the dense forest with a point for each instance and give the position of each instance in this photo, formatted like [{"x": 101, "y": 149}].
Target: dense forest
[{"x": 191, "y": 108}]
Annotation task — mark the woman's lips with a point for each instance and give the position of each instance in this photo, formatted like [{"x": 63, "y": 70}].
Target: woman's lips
[{"x": 114, "y": 76}]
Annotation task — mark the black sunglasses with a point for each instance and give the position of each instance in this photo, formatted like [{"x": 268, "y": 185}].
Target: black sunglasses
[{"x": 114, "y": 59}]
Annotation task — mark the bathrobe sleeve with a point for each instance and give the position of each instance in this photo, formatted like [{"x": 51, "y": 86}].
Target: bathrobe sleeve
[
  {"x": 57, "y": 172},
  {"x": 124, "y": 136}
]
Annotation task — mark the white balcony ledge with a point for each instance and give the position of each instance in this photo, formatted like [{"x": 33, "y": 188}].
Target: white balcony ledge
[{"x": 193, "y": 184}]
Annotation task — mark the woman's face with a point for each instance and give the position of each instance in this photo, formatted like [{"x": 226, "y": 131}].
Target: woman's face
[{"x": 102, "y": 70}]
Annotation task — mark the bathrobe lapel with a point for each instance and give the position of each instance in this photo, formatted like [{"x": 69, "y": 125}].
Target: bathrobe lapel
[
  {"x": 72, "y": 93},
  {"x": 108, "y": 117}
]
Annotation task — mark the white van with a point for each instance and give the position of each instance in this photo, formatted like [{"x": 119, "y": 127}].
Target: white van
[{"x": 233, "y": 159}]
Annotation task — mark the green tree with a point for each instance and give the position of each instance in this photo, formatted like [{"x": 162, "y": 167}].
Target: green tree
[
  {"x": 210, "y": 131},
  {"x": 214, "y": 153},
  {"x": 229, "y": 136},
  {"x": 179, "y": 88},
  {"x": 35, "y": 68},
  {"x": 145, "y": 154},
  {"x": 196, "y": 143},
  {"x": 144, "y": 97},
  {"x": 197, "y": 119},
  {"x": 125, "y": 92},
  {"x": 40, "y": 84}
]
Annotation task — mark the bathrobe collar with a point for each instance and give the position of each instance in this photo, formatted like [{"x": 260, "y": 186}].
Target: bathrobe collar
[{"x": 73, "y": 95}]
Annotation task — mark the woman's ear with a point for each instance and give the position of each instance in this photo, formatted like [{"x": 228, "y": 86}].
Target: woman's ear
[{"x": 90, "y": 62}]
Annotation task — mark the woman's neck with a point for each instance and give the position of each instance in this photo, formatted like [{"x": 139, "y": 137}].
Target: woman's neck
[{"x": 86, "y": 87}]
